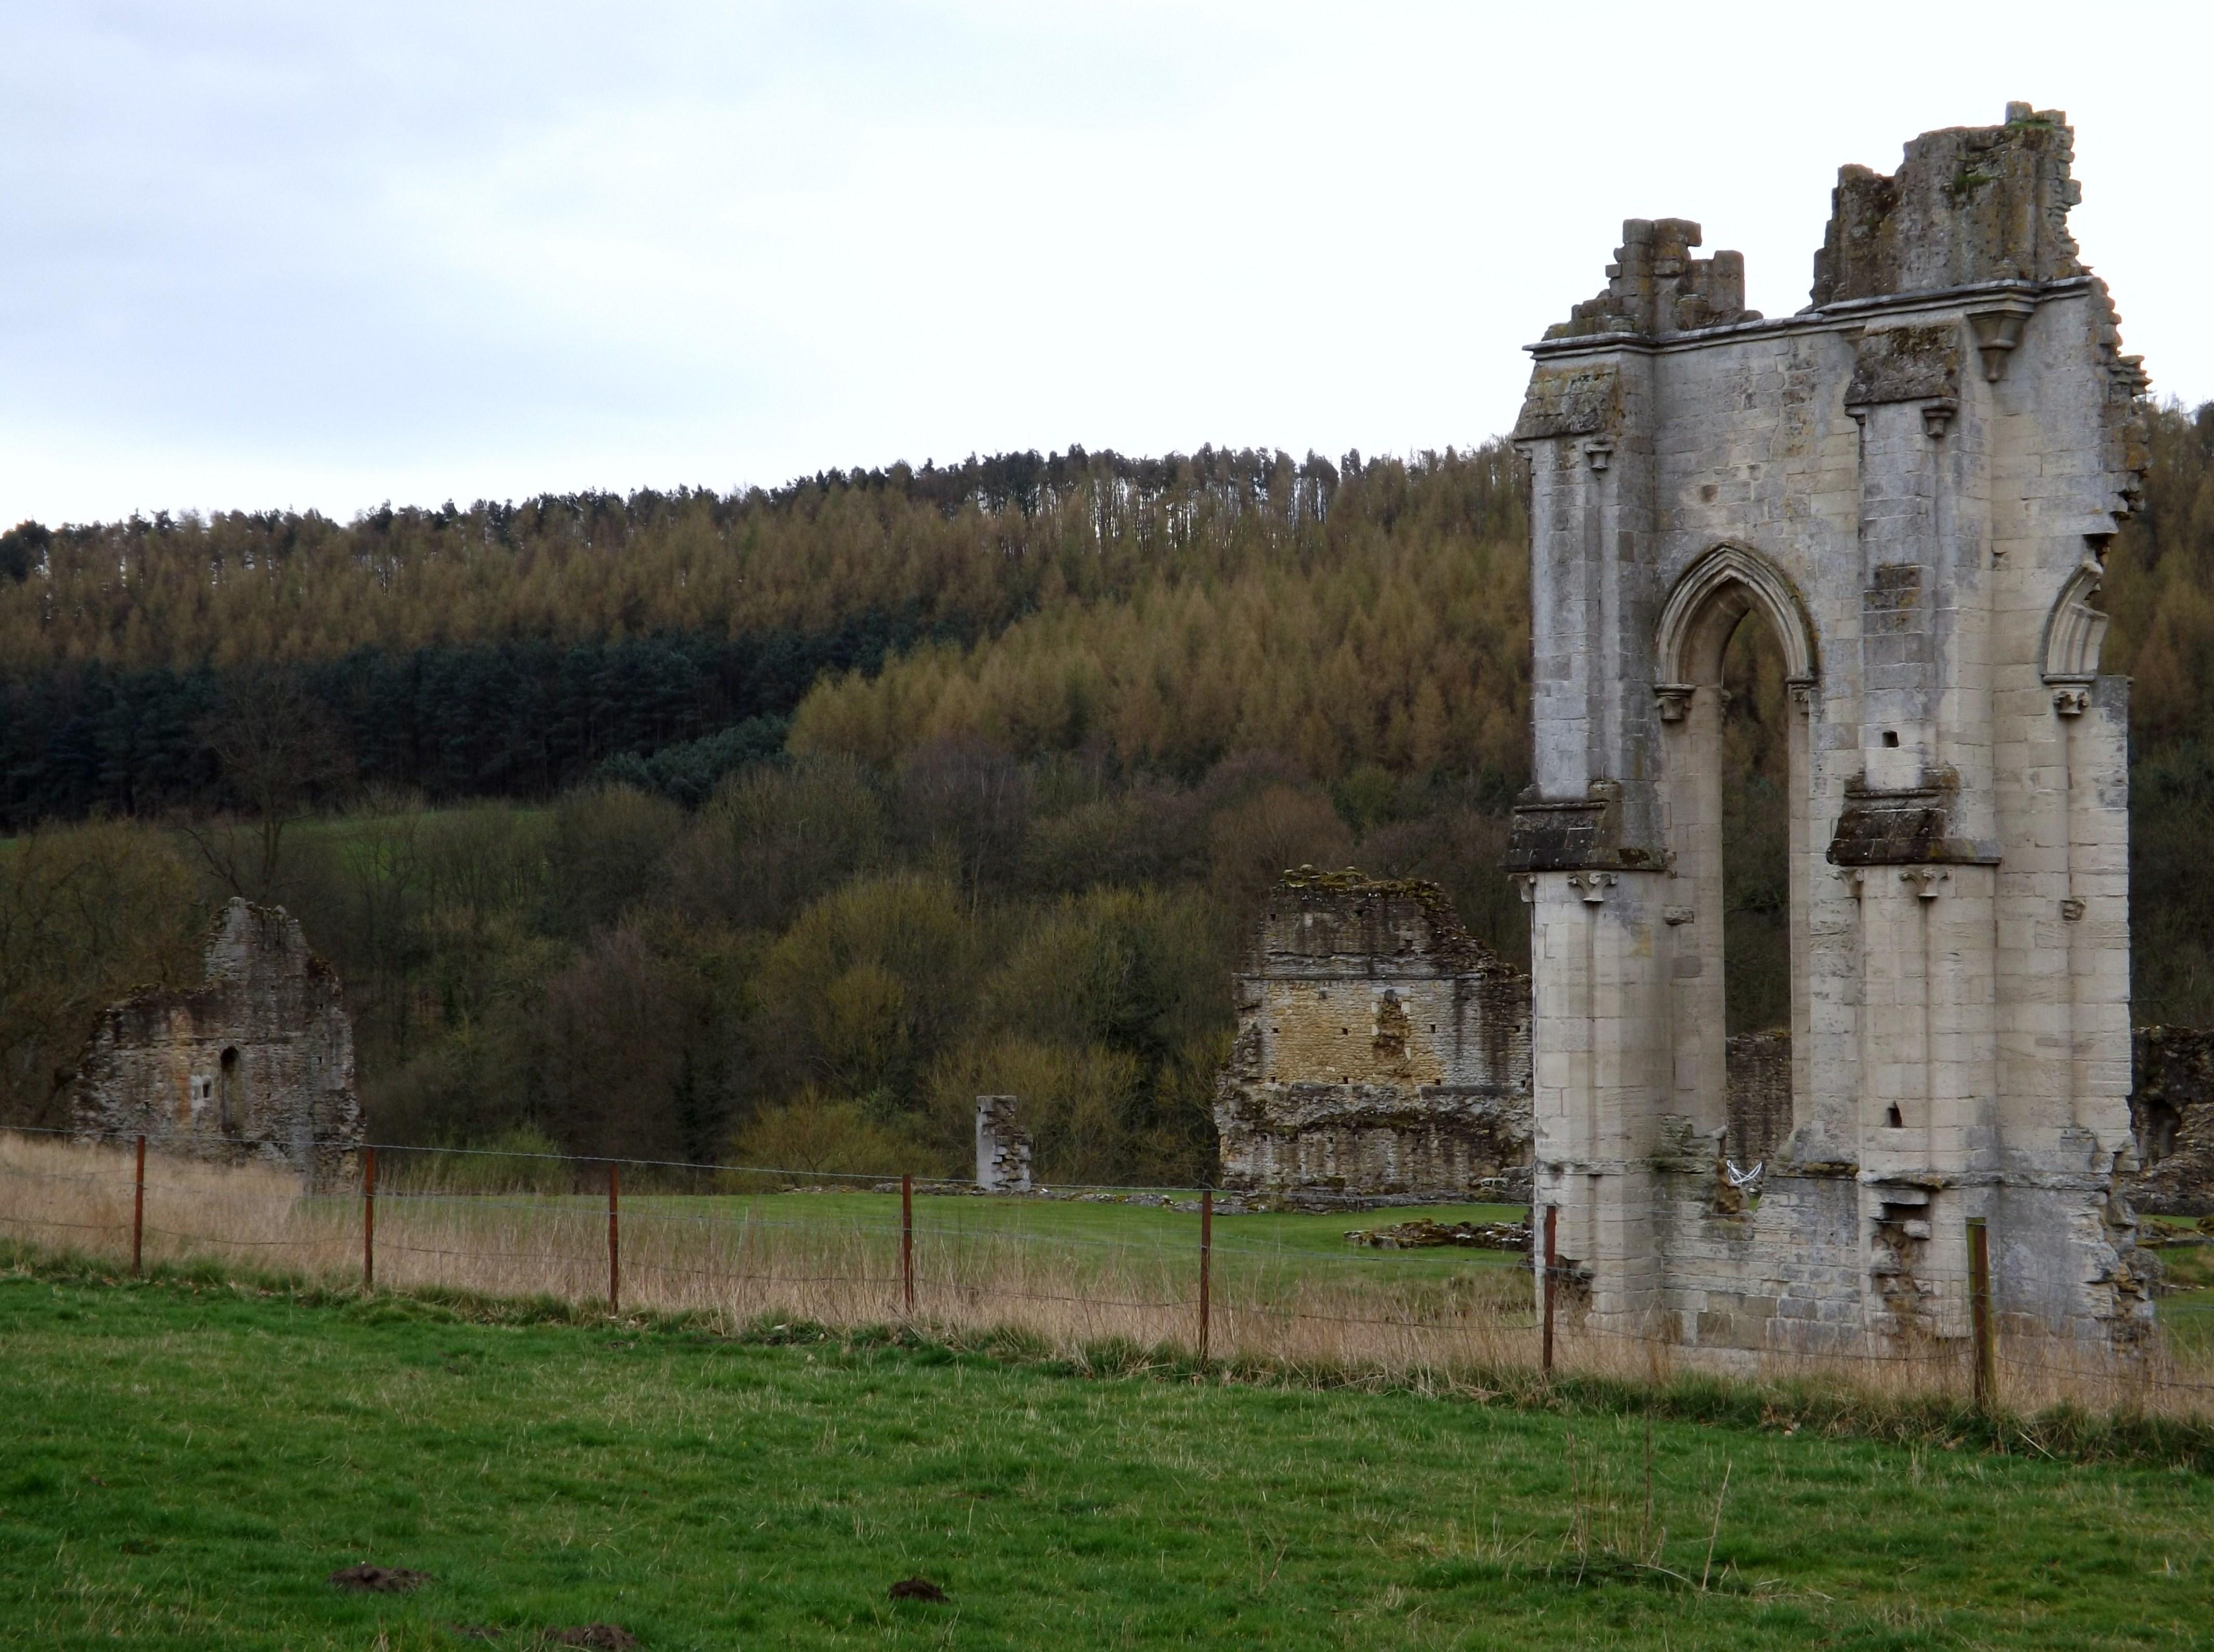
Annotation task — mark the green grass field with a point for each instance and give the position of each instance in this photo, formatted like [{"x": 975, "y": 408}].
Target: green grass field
[
  {"x": 1301, "y": 1244},
  {"x": 185, "y": 1464}
]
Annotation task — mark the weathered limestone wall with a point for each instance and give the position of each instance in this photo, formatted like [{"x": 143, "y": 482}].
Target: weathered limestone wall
[
  {"x": 2171, "y": 1113},
  {"x": 256, "y": 1064},
  {"x": 1759, "y": 1089},
  {"x": 1912, "y": 483},
  {"x": 1381, "y": 1051}
]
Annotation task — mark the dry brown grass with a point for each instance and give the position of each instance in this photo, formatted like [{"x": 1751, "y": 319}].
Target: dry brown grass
[{"x": 1296, "y": 1314}]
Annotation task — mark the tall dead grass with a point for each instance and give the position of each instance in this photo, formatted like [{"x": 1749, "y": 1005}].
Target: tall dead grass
[{"x": 1352, "y": 1319}]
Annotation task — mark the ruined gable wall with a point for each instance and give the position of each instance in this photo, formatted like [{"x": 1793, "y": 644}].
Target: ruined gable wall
[
  {"x": 257, "y": 1063},
  {"x": 1381, "y": 1051}
]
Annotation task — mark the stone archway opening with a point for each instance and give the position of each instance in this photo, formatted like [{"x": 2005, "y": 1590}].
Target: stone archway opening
[{"x": 1739, "y": 659}]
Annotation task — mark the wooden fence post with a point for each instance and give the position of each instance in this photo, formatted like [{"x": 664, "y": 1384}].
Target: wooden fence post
[
  {"x": 138, "y": 1214},
  {"x": 1206, "y": 1263},
  {"x": 1552, "y": 1267},
  {"x": 615, "y": 1241},
  {"x": 906, "y": 1239},
  {"x": 1980, "y": 1311},
  {"x": 369, "y": 1219}
]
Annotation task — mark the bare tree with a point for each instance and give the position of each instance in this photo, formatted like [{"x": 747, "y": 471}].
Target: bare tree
[{"x": 280, "y": 754}]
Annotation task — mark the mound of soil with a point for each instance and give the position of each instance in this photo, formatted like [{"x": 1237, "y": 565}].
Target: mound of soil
[
  {"x": 601, "y": 1638},
  {"x": 366, "y": 1579}
]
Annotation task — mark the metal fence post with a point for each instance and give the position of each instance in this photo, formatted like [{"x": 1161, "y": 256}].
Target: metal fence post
[
  {"x": 615, "y": 1242},
  {"x": 1206, "y": 1263},
  {"x": 139, "y": 1213},
  {"x": 1552, "y": 1267},
  {"x": 369, "y": 1219},
  {"x": 906, "y": 1239},
  {"x": 1980, "y": 1311}
]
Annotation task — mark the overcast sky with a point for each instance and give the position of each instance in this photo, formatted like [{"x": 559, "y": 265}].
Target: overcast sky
[{"x": 261, "y": 255}]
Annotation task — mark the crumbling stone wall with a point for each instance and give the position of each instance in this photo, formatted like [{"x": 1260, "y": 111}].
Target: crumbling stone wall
[
  {"x": 1381, "y": 1051},
  {"x": 2171, "y": 1115},
  {"x": 255, "y": 1063},
  {"x": 1003, "y": 1152},
  {"x": 1911, "y": 483}
]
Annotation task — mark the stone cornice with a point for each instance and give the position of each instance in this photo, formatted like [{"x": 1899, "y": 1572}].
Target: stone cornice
[{"x": 1844, "y": 316}]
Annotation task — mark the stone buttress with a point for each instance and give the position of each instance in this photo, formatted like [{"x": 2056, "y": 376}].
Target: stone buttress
[{"x": 1912, "y": 482}]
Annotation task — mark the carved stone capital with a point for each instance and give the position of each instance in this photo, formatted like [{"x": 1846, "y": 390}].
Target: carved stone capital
[
  {"x": 1675, "y": 699},
  {"x": 1594, "y": 885}
]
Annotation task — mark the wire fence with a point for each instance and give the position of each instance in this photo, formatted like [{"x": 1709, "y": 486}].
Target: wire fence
[{"x": 1070, "y": 1269}]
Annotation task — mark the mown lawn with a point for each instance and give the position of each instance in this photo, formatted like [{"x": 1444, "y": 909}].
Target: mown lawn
[{"x": 183, "y": 1467}]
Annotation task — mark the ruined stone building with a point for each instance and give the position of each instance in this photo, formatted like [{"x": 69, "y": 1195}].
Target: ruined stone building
[
  {"x": 1912, "y": 483},
  {"x": 254, "y": 1064},
  {"x": 1381, "y": 1051}
]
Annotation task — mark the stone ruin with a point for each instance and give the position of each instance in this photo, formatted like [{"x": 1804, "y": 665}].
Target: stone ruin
[
  {"x": 1382, "y": 1053},
  {"x": 1912, "y": 483},
  {"x": 256, "y": 1064},
  {"x": 1003, "y": 1152},
  {"x": 2171, "y": 1115}
]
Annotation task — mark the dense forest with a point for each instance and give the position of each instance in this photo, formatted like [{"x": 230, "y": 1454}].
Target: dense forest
[{"x": 775, "y": 826}]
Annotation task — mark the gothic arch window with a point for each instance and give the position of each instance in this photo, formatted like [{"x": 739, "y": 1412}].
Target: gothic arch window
[{"x": 1709, "y": 599}]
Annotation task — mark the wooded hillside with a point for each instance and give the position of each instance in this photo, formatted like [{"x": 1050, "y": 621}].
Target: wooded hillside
[{"x": 794, "y": 820}]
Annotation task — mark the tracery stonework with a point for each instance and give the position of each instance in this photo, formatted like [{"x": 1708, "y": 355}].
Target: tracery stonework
[{"x": 1912, "y": 483}]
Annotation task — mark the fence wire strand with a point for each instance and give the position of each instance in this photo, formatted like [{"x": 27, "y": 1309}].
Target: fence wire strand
[{"x": 728, "y": 1254}]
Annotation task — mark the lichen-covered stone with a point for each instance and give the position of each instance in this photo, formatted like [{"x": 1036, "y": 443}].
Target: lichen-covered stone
[
  {"x": 254, "y": 1064},
  {"x": 1380, "y": 1052}
]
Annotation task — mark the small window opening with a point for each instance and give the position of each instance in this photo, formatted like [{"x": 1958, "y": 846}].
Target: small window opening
[
  {"x": 227, "y": 1098},
  {"x": 1893, "y": 1117},
  {"x": 1891, "y": 737}
]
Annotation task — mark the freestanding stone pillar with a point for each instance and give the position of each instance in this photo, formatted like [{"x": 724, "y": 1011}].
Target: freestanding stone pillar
[{"x": 1912, "y": 483}]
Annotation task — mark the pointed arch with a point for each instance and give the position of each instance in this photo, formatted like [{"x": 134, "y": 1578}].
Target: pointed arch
[
  {"x": 2075, "y": 630},
  {"x": 1719, "y": 588}
]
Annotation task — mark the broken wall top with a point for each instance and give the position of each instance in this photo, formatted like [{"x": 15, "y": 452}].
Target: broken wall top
[
  {"x": 1654, "y": 286},
  {"x": 1968, "y": 205},
  {"x": 1346, "y": 923}
]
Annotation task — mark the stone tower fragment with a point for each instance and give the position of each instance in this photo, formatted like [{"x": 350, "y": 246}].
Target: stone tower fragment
[{"x": 1913, "y": 484}]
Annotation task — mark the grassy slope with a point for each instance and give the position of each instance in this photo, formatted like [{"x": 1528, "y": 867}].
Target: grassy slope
[{"x": 183, "y": 1467}]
